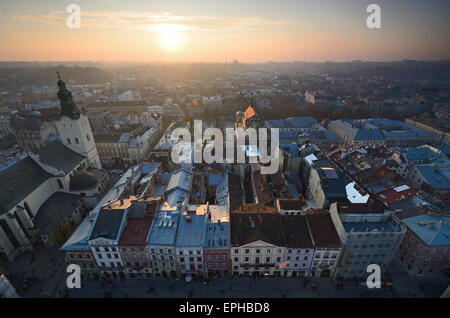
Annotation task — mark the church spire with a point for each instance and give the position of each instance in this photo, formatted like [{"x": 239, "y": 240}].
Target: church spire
[{"x": 68, "y": 106}]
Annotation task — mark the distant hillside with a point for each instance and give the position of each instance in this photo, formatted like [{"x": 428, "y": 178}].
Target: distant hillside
[{"x": 16, "y": 77}]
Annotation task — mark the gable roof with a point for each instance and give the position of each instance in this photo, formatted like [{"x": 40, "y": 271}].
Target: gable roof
[
  {"x": 323, "y": 231},
  {"x": 434, "y": 177},
  {"x": 56, "y": 155},
  {"x": 296, "y": 231},
  {"x": 180, "y": 179},
  {"x": 247, "y": 228},
  {"x": 431, "y": 229},
  {"x": 249, "y": 112},
  {"x": 18, "y": 181},
  {"x": 107, "y": 224}
]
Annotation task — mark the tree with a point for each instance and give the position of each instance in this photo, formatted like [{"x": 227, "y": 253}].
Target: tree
[{"x": 60, "y": 233}]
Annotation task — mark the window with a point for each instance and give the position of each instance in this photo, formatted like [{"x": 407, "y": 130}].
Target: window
[
  {"x": 77, "y": 141},
  {"x": 68, "y": 141}
]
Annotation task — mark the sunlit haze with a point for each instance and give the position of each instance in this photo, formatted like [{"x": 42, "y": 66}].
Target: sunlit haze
[{"x": 216, "y": 31}]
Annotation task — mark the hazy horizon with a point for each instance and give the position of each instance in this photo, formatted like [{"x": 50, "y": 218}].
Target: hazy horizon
[{"x": 199, "y": 31}]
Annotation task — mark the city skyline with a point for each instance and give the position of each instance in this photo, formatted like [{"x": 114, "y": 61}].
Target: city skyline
[{"x": 251, "y": 32}]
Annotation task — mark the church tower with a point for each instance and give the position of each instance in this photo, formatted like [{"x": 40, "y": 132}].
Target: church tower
[{"x": 74, "y": 128}]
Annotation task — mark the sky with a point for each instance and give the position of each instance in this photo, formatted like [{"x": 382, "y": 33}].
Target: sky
[{"x": 250, "y": 31}]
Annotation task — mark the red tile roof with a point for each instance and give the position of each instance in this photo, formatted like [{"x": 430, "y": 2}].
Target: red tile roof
[
  {"x": 136, "y": 231},
  {"x": 249, "y": 112},
  {"x": 393, "y": 194}
]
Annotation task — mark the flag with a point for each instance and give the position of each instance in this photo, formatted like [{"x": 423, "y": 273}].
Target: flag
[{"x": 283, "y": 265}]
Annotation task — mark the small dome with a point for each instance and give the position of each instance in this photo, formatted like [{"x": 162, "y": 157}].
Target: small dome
[
  {"x": 83, "y": 181},
  {"x": 240, "y": 113}
]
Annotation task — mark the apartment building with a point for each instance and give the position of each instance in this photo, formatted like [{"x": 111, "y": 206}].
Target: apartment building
[
  {"x": 189, "y": 244},
  {"x": 327, "y": 244},
  {"x": 369, "y": 235},
  {"x": 257, "y": 244},
  {"x": 299, "y": 251},
  {"x": 132, "y": 244},
  {"x": 426, "y": 247},
  {"x": 161, "y": 243},
  {"x": 104, "y": 239},
  {"x": 216, "y": 248}
]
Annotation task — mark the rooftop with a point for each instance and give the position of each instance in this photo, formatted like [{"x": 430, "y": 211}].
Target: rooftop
[
  {"x": 79, "y": 238},
  {"x": 434, "y": 177},
  {"x": 291, "y": 204},
  {"x": 191, "y": 230},
  {"x": 56, "y": 155},
  {"x": 399, "y": 192},
  {"x": 296, "y": 230},
  {"x": 217, "y": 235},
  {"x": 108, "y": 223},
  {"x": 323, "y": 231},
  {"x": 293, "y": 122},
  {"x": 136, "y": 231},
  {"x": 18, "y": 181},
  {"x": 264, "y": 227},
  {"x": 164, "y": 228},
  {"x": 387, "y": 225},
  {"x": 54, "y": 209},
  {"x": 433, "y": 230}
]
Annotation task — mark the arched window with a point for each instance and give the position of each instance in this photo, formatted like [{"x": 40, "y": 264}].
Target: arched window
[
  {"x": 76, "y": 141},
  {"x": 60, "y": 184},
  {"x": 68, "y": 141}
]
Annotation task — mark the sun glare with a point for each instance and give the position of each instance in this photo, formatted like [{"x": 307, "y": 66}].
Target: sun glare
[
  {"x": 171, "y": 41},
  {"x": 170, "y": 36}
]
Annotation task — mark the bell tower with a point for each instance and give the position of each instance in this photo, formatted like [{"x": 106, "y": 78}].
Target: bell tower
[{"x": 74, "y": 128}]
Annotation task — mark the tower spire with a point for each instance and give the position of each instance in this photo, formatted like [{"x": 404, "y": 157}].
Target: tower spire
[{"x": 68, "y": 106}]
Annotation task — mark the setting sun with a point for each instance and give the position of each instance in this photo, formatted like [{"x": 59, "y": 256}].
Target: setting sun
[{"x": 171, "y": 41}]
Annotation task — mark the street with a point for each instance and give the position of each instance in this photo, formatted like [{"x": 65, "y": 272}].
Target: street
[{"x": 47, "y": 275}]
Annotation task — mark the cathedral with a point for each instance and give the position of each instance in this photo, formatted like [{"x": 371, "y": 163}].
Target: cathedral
[{"x": 57, "y": 182}]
